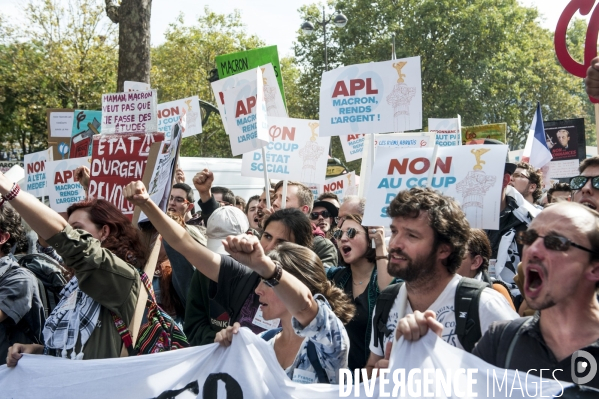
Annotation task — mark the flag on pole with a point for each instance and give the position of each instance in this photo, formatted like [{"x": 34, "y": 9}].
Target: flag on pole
[{"x": 536, "y": 151}]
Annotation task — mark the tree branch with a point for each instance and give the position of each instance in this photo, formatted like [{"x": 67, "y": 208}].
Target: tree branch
[{"x": 112, "y": 11}]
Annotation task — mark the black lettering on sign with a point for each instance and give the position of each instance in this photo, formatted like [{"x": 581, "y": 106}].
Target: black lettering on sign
[
  {"x": 194, "y": 387},
  {"x": 233, "y": 388},
  {"x": 232, "y": 66}
]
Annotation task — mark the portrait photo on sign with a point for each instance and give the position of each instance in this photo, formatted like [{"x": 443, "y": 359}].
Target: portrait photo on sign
[{"x": 562, "y": 142}]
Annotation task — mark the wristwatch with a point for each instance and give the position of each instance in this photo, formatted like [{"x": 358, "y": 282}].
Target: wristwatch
[{"x": 274, "y": 280}]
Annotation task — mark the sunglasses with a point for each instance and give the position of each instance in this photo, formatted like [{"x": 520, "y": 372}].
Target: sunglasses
[
  {"x": 178, "y": 200},
  {"x": 551, "y": 242},
  {"x": 351, "y": 233},
  {"x": 578, "y": 182},
  {"x": 315, "y": 215}
]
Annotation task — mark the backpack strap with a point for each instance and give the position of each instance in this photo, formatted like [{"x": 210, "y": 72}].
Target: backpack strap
[
  {"x": 467, "y": 298},
  {"x": 508, "y": 339},
  {"x": 313, "y": 358},
  {"x": 381, "y": 314},
  {"x": 44, "y": 298},
  {"x": 270, "y": 334}
]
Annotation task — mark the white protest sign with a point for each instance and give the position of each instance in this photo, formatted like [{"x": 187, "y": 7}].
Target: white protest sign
[
  {"x": 295, "y": 152},
  {"x": 61, "y": 124},
  {"x": 248, "y": 368},
  {"x": 246, "y": 110},
  {"x": 169, "y": 114},
  {"x": 35, "y": 173},
  {"x": 131, "y": 112},
  {"x": 62, "y": 188},
  {"x": 377, "y": 97},
  {"x": 353, "y": 144},
  {"x": 447, "y": 131},
  {"x": 341, "y": 185},
  {"x": 130, "y": 85},
  {"x": 471, "y": 174},
  {"x": 275, "y": 106}
]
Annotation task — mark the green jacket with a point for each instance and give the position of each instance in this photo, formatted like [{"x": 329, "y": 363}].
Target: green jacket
[{"x": 107, "y": 279}]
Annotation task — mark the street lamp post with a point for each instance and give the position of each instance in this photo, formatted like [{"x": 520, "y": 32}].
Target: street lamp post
[{"x": 339, "y": 20}]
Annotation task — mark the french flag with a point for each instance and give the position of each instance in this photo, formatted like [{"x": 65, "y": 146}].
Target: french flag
[{"x": 536, "y": 152}]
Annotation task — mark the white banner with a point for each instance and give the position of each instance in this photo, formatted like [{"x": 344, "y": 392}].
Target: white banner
[
  {"x": 62, "y": 188},
  {"x": 378, "y": 97},
  {"x": 130, "y": 85},
  {"x": 246, "y": 110},
  {"x": 131, "y": 112},
  {"x": 471, "y": 174},
  {"x": 447, "y": 131},
  {"x": 275, "y": 106},
  {"x": 169, "y": 114},
  {"x": 341, "y": 185},
  {"x": 353, "y": 144},
  {"x": 249, "y": 369},
  {"x": 295, "y": 152},
  {"x": 35, "y": 172}
]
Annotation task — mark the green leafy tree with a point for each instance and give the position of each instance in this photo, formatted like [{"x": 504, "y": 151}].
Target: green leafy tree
[
  {"x": 488, "y": 60},
  {"x": 182, "y": 65},
  {"x": 64, "y": 58}
]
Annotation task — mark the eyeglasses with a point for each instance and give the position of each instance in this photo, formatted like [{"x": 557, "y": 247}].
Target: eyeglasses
[
  {"x": 518, "y": 175},
  {"x": 351, "y": 233},
  {"x": 578, "y": 182},
  {"x": 551, "y": 242},
  {"x": 178, "y": 200},
  {"x": 315, "y": 215}
]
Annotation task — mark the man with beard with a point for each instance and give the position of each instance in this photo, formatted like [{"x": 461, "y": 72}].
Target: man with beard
[{"x": 429, "y": 233}]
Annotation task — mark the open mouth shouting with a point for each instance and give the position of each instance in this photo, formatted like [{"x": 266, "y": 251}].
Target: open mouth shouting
[
  {"x": 534, "y": 279},
  {"x": 589, "y": 203}
]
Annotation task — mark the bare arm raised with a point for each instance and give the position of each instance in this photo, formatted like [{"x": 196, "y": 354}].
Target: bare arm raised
[
  {"x": 296, "y": 297},
  {"x": 202, "y": 258}
]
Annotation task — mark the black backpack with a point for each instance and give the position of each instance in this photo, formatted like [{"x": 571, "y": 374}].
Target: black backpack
[
  {"x": 466, "y": 303},
  {"x": 49, "y": 276}
]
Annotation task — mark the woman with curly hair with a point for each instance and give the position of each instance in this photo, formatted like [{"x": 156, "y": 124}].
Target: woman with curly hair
[
  {"x": 312, "y": 311},
  {"x": 105, "y": 251}
]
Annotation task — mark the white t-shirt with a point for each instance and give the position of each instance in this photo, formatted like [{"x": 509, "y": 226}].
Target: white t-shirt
[{"x": 492, "y": 307}]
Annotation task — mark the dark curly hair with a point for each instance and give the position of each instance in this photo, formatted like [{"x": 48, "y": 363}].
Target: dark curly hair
[
  {"x": 370, "y": 254},
  {"x": 445, "y": 217},
  {"x": 124, "y": 240},
  {"x": 10, "y": 222},
  {"x": 479, "y": 244},
  {"x": 534, "y": 177},
  {"x": 557, "y": 187}
]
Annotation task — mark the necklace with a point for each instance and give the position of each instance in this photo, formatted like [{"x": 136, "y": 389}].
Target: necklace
[{"x": 358, "y": 283}]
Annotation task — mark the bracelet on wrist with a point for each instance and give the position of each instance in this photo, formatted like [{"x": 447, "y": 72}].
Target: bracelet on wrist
[
  {"x": 274, "y": 279},
  {"x": 11, "y": 195}
]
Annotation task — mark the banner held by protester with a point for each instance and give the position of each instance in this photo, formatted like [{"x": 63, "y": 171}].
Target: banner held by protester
[
  {"x": 63, "y": 190},
  {"x": 131, "y": 112},
  {"x": 295, "y": 152},
  {"x": 470, "y": 174},
  {"x": 378, "y": 97},
  {"x": 35, "y": 172}
]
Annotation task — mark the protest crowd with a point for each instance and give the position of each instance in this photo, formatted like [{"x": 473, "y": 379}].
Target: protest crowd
[{"x": 312, "y": 276}]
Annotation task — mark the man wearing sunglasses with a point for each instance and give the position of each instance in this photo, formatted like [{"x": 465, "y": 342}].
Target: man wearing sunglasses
[
  {"x": 323, "y": 215},
  {"x": 561, "y": 278},
  {"x": 585, "y": 188}
]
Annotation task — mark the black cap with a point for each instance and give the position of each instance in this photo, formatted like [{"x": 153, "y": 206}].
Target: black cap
[{"x": 333, "y": 210}]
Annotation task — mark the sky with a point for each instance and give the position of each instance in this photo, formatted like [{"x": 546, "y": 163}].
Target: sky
[{"x": 274, "y": 21}]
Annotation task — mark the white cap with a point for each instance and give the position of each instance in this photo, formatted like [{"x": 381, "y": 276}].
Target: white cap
[{"x": 225, "y": 221}]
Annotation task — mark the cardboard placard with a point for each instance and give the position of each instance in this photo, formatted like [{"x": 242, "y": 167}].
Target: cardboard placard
[
  {"x": 35, "y": 172},
  {"x": 447, "y": 131},
  {"x": 246, "y": 115},
  {"x": 63, "y": 190},
  {"x": 353, "y": 144},
  {"x": 342, "y": 185},
  {"x": 131, "y": 112},
  {"x": 567, "y": 142},
  {"x": 85, "y": 125},
  {"x": 378, "y": 97},
  {"x": 118, "y": 159},
  {"x": 295, "y": 152},
  {"x": 470, "y": 174},
  {"x": 235, "y": 63},
  {"x": 171, "y": 112},
  {"x": 496, "y": 131},
  {"x": 60, "y": 123}
]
